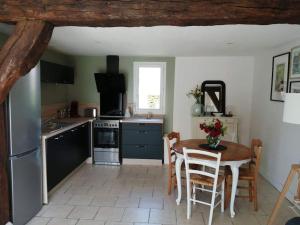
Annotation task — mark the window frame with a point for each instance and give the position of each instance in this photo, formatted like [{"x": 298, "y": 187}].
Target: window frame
[{"x": 136, "y": 66}]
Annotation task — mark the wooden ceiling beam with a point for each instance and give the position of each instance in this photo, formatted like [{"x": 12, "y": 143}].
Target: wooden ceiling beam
[
  {"x": 22, "y": 51},
  {"x": 129, "y": 13}
]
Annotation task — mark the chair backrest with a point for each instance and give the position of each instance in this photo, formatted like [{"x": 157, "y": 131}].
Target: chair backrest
[
  {"x": 257, "y": 159},
  {"x": 254, "y": 142},
  {"x": 170, "y": 139},
  {"x": 211, "y": 162}
]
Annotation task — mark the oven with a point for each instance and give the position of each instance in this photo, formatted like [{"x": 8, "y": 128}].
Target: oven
[{"x": 106, "y": 142}]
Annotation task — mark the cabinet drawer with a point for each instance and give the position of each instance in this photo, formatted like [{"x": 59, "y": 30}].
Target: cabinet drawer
[
  {"x": 141, "y": 126},
  {"x": 142, "y": 151},
  {"x": 141, "y": 137}
]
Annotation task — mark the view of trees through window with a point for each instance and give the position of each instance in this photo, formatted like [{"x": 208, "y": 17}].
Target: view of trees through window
[{"x": 149, "y": 82}]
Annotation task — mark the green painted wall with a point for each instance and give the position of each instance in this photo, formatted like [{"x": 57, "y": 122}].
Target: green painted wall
[{"x": 84, "y": 90}]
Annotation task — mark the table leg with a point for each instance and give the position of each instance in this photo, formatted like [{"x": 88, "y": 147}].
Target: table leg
[
  {"x": 178, "y": 163},
  {"x": 235, "y": 178}
]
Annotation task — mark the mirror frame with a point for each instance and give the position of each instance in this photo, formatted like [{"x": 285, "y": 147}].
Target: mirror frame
[{"x": 222, "y": 94}]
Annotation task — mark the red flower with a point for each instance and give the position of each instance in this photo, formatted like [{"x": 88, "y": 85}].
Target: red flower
[{"x": 218, "y": 125}]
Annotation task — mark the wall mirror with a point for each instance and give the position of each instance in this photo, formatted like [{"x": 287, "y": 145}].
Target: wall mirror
[{"x": 214, "y": 95}]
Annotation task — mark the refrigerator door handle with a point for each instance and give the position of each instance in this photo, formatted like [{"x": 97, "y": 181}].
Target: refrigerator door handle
[{"x": 23, "y": 154}]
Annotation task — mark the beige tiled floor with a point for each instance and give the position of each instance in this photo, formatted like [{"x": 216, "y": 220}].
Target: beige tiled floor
[{"x": 137, "y": 195}]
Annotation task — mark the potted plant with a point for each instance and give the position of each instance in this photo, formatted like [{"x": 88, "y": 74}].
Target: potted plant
[
  {"x": 197, "y": 108},
  {"x": 215, "y": 129}
]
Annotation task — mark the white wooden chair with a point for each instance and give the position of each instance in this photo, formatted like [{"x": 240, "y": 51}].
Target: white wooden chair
[{"x": 208, "y": 181}]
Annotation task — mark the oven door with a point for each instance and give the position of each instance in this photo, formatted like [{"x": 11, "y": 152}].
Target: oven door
[{"x": 106, "y": 137}]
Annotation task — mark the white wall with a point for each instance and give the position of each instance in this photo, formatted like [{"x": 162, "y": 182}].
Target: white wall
[
  {"x": 236, "y": 72},
  {"x": 281, "y": 140}
]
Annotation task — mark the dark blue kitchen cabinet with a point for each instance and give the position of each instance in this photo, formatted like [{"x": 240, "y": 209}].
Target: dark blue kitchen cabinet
[
  {"x": 142, "y": 141},
  {"x": 65, "y": 152},
  {"x": 56, "y": 73}
]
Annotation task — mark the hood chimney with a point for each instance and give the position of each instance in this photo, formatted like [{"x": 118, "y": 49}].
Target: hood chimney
[{"x": 112, "y": 64}]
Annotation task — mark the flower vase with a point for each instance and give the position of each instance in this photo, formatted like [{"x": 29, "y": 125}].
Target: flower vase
[
  {"x": 213, "y": 142},
  {"x": 197, "y": 109}
]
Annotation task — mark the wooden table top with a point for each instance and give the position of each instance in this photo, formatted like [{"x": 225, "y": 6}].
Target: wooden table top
[{"x": 234, "y": 151}]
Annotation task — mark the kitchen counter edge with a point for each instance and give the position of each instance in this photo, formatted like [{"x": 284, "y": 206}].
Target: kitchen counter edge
[{"x": 142, "y": 120}]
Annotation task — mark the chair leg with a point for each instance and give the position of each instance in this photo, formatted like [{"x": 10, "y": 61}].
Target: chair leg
[
  {"x": 194, "y": 193},
  {"x": 170, "y": 184},
  {"x": 212, "y": 206},
  {"x": 189, "y": 202},
  {"x": 255, "y": 195},
  {"x": 228, "y": 192},
  {"x": 250, "y": 191},
  {"x": 222, "y": 196}
]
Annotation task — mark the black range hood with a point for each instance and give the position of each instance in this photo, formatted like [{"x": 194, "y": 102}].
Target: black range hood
[
  {"x": 112, "y": 80},
  {"x": 111, "y": 86}
]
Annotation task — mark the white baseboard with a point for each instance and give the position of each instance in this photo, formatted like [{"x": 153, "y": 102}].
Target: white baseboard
[{"x": 152, "y": 162}]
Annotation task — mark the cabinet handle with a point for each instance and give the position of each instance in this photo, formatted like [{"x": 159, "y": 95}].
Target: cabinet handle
[
  {"x": 59, "y": 137},
  {"x": 142, "y": 132}
]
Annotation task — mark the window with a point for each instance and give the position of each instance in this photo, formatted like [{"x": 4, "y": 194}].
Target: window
[{"x": 149, "y": 86}]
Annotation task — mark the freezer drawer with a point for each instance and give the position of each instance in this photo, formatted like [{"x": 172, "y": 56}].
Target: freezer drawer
[{"x": 26, "y": 184}]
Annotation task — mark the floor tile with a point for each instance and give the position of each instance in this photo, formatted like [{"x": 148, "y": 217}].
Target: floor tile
[
  {"x": 151, "y": 203},
  {"x": 90, "y": 222},
  {"x": 104, "y": 201},
  {"x": 57, "y": 221},
  {"x": 38, "y": 221},
  {"x": 118, "y": 223},
  {"x": 59, "y": 199},
  {"x": 83, "y": 212},
  {"x": 58, "y": 211},
  {"x": 132, "y": 202},
  {"x": 110, "y": 214},
  {"x": 147, "y": 224},
  {"x": 136, "y": 215},
  {"x": 80, "y": 200},
  {"x": 162, "y": 216}
]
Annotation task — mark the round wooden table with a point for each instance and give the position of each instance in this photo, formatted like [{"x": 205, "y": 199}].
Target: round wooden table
[{"x": 234, "y": 156}]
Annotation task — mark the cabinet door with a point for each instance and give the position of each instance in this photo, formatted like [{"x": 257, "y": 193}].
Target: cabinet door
[
  {"x": 57, "y": 168},
  {"x": 84, "y": 141},
  {"x": 56, "y": 73},
  {"x": 68, "y": 75},
  {"x": 51, "y": 72}
]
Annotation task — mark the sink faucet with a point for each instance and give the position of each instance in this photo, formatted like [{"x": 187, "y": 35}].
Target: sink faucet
[{"x": 149, "y": 115}]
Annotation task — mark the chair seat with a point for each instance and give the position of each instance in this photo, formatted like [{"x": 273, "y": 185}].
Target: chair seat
[
  {"x": 244, "y": 173},
  {"x": 204, "y": 180}
]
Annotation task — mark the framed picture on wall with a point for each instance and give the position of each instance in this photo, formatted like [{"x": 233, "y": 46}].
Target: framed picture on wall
[
  {"x": 280, "y": 77},
  {"x": 295, "y": 63},
  {"x": 295, "y": 86}
]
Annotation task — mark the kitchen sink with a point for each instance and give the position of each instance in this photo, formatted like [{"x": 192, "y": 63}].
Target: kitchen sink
[{"x": 54, "y": 125}]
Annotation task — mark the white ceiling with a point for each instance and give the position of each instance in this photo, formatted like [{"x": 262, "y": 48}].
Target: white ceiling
[{"x": 171, "y": 41}]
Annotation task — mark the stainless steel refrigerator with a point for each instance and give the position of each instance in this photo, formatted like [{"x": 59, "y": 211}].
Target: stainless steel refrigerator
[{"x": 25, "y": 163}]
